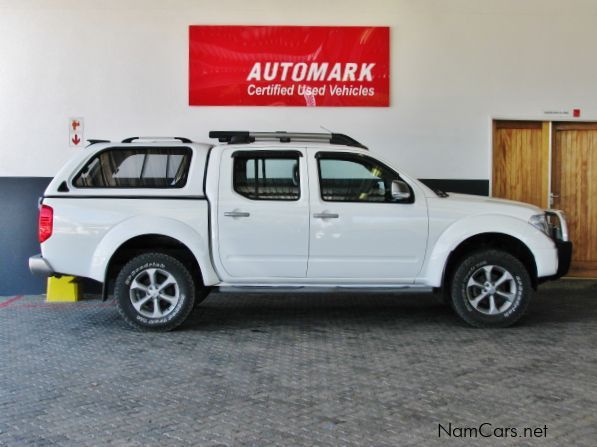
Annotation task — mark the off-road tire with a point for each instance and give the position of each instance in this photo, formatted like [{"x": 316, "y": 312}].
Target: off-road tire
[
  {"x": 473, "y": 270},
  {"x": 163, "y": 264}
]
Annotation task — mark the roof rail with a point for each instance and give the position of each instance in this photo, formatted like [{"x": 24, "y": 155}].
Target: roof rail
[
  {"x": 182, "y": 139},
  {"x": 244, "y": 136}
]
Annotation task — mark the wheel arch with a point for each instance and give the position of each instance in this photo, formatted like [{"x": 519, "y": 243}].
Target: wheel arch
[
  {"x": 491, "y": 240},
  {"x": 155, "y": 233},
  {"x": 489, "y": 230},
  {"x": 144, "y": 243}
]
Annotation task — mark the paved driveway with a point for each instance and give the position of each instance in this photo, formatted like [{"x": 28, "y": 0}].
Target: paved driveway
[{"x": 377, "y": 370}]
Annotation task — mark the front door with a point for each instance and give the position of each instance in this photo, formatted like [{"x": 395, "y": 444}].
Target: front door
[
  {"x": 263, "y": 214},
  {"x": 358, "y": 231}
]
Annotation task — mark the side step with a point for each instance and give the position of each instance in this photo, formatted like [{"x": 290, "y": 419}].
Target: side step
[{"x": 321, "y": 289}]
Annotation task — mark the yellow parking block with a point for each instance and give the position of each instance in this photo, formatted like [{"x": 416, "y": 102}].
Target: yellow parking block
[{"x": 63, "y": 290}]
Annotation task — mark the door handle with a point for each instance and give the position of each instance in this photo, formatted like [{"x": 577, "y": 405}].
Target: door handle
[
  {"x": 552, "y": 198},
  {"x": 326, "y": 215},
  {"x": 236, "y": 214}
]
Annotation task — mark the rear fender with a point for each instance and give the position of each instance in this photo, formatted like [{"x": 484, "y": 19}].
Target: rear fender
[{"x": 144, "y": 225}]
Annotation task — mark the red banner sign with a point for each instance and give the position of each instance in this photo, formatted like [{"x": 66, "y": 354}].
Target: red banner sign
[{"x": 338, "y": 66}]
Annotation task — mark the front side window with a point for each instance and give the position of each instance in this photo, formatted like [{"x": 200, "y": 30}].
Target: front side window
[
  {"x": 354, "y": 178},
  {"x": 263, "y": 176},
  {"x": 138, "y": 167}
]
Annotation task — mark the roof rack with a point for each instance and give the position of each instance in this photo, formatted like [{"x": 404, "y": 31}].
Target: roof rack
[
  {"x": 182, "y": 139},
  {"x": 244, "y": 136}
]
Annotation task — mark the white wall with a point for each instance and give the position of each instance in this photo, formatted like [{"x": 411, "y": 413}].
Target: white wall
[{"x": 122, "y": 65}]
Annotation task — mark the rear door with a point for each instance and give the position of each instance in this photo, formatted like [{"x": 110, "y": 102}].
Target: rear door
[
  {"x": 358, "y": 232},
  {"x": 263, "y": 214}
]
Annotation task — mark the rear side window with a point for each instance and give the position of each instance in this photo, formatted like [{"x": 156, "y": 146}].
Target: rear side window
[
  {"x": 139, "y": 167},
  {"x": 264, "y": 176}
]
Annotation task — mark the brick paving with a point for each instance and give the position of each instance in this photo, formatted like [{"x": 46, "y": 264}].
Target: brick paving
[{"x": 298, "y": 370}]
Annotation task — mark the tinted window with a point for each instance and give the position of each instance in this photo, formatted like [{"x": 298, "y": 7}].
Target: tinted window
[
  {"x": 346, "y": 178},
  {"x": 265, "y": 177},
  {"x": 136, "y": 168}
]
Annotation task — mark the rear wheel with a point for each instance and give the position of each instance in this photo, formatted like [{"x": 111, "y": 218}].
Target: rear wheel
[
  {"x": 490, "y": 288},
  {"x": 155, "y": 291}
]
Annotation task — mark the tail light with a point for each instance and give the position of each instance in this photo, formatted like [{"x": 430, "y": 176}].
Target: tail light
[{"x": 46, "y": 223}]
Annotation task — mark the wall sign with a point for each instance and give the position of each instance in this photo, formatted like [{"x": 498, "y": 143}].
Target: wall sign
[
  {"x": 575, "y": 113},
  {"x": 338, "y": 66},
  {"x": 75, "y": 132}
]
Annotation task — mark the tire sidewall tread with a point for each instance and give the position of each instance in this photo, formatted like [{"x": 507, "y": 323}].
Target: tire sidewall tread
[
  {"x": 166, "y": 262},
  {"x": 472, "y": 263}
]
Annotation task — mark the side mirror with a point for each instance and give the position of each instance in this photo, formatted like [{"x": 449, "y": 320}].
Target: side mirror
[{"x": 400, "y": 190}]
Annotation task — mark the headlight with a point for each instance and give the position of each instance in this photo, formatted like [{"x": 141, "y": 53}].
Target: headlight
[{"x": 539, "y": 221}]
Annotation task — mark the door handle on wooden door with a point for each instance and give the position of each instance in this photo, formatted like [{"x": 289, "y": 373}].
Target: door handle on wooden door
[{"x": 552, "y": 198}]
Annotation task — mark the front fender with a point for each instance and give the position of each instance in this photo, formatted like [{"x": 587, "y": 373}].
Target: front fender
[
  {"x": 142, "y": 225},
  {"x": 541, "y": 246}
]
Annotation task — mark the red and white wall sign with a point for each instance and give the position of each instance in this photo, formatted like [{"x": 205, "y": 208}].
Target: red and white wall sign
[
  {"x": 75, "y": 132},
  {"x": 338, "y": 66}
]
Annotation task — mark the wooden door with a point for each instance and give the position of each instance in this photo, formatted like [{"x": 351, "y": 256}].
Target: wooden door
[
  {"x": 521, "y": 161},
  {"x": 574, "y": 185}
]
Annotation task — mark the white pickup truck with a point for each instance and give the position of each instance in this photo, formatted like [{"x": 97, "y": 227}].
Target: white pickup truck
[{"x": 161, "y": 222}]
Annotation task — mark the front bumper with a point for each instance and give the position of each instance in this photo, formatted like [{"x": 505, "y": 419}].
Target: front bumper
[
  {"x": 39, "y": 266},
  {"x": 558, "y": 228},
  {"x": 564, "y": 257}
]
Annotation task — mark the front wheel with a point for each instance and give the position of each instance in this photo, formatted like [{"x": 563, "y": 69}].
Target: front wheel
[
  {"x": 154, "y": 291},
  {"x": 490, "y": 288}
]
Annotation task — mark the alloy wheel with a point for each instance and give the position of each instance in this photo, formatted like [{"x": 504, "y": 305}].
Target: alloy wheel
[
  {"x": 154, "y": 293},
  {"x": 491, "y": 290}
]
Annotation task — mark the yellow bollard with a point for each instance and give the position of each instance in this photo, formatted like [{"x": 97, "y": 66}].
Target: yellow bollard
[{"x": 63, "y": 290}]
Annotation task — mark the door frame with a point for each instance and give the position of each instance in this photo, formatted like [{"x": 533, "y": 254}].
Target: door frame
[{"x": 548, "y": 143}]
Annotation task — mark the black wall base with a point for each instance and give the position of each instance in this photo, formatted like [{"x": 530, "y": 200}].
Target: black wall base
[{"x": 18, "y": 233}]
